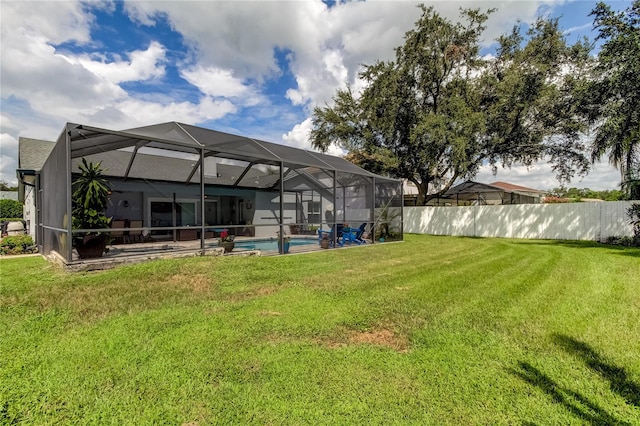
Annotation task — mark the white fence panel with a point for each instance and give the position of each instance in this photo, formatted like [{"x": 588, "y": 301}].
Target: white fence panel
[
  {"x": 574, "y": 221},
  {"x": 439, "y": 221},
  {"x": 610, "y": 222}
]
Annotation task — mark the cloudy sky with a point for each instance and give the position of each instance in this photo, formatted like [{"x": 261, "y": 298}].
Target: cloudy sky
[{"x": 255, "y": 68}]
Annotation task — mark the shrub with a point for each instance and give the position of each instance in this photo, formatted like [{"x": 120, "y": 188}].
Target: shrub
[
  {"x": 624, "y": 241},
  {"x": 633, "y": 213},
  {"x": 20, "y": 244},
  {"x": 10, "y": 208}
]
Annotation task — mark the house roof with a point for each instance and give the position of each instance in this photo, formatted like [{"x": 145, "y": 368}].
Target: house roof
[
  {"x": 517, "y": 188},
  {"x": 32, "y": 153},
  {"x": 172, "y": 152},
  {"x": 471, "y": 187},
  {"x": 88, "y": 140}
]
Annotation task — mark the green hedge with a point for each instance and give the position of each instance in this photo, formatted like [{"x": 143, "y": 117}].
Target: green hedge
[
  {"x": 20, "y": 244},
  {"x": 10, "y": 208}
]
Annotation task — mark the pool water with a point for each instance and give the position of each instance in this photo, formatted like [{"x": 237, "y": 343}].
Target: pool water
[{"x": 272, "y": 244}]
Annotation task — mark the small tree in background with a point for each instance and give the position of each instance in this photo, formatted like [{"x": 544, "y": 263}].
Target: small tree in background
[
  {"x": 10, "y": 209},
  {"x": 4, "y": 186}
]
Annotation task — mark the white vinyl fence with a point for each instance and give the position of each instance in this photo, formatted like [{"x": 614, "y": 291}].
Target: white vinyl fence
[{"x": 573, "y": 221}]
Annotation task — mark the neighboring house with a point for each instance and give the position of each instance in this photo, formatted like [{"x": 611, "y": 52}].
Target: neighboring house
[
  {"x": 520, "y": 194},
  {"x": 476, "y": 193},
  {"x": 184, "y": 182},
  {"x": 32, "y": 153},
  {"x": 496, "y": 193},
  {"x": 409, "y": 192}
]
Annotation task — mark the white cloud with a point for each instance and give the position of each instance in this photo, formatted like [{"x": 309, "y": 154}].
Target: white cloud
[
  {"x": 218, "y": 82},
  {"x": 8, "y": 157},
  {"x": 541, "y": 176},
  {"x": 227, "y": 35},
  {"x": 32, "y": 71},
  {"x": 578, "y": 28},
  {"x": 56, "y": 21},
  {"x": 142, "y": 65},
  {"x": 133, "y": 112},
  {"x": 43, "y": 88},
  {"x": 299, "y": 137}
]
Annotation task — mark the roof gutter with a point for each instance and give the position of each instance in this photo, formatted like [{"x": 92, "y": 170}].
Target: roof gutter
[{"x": 26, "y": 177}]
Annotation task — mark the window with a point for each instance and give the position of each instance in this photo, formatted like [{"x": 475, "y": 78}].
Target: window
[{"x": 314, "y": 213}]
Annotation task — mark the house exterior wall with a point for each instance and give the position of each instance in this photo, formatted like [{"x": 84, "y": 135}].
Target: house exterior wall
[
  {"x": 131, "y": 200},
  {"x": 267, "y": 212},
  {"x": 574, "y": 221},
  {"x": 29, "y": 211}
]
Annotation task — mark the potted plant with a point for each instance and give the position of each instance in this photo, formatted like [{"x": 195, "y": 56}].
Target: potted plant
[
  {"x": 226, "y": 241},
  {"x": 294, "y": 229},
  {"x": 89, "y": 200},
  {"x": 286, "y": 239},
  {"x": 324, "y": 242},
  {"x": 311, "y": 230}
]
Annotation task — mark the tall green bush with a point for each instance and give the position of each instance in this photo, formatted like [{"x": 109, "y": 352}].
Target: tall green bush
[{"x": 11, "y": 208}]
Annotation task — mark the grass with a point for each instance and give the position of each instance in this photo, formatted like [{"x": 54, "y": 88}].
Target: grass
[{"x": 435, "y": 330}]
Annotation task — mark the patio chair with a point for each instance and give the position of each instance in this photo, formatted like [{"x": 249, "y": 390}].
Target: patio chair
[
  {"x": 136, "y": 235},
  {"x": 349, "y": 235},
  {"x": 340, "y": 232},
  {"x": 359, "y": 234},
  {"x": 329, "y": 234},
  {"x": 118, "y": 236}
]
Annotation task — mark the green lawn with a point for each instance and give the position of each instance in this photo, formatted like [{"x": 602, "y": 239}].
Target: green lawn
[{"x": 434, "y": 330}]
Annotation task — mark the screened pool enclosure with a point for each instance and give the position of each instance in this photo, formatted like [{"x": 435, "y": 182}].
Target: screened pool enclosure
[{"x": 177, "y": 182}]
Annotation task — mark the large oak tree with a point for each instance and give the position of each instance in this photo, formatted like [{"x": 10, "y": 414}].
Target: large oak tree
[{"x": 440, "y": 111}]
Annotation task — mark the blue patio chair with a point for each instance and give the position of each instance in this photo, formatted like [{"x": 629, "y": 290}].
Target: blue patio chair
[
  {"x": 349, "y": 235},
  {"x": 329, "y": 233},
  {"x": 359, "y": 233},
  {"x": 340, "y": 230}
]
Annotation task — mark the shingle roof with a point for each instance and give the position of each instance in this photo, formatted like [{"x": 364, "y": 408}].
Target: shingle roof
[{"x": 32, "y": 153}]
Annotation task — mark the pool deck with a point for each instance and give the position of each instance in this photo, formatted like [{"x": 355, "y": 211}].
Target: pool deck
[{"x": 122, "y": 254}]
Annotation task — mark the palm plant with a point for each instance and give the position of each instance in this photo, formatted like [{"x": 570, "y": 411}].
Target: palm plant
[
  {"x": 89, "y": 200},
  {"x": 613, "y": 104}
]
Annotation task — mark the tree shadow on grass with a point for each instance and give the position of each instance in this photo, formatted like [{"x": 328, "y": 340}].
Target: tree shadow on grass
[
  {"x": 584, "y": 244},
  {"x": 572, "y": 401},
  {"x": 618, "y": 378}
]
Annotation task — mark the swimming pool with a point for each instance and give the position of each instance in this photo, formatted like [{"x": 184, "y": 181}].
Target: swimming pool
[{"x": 272, "y": 244}]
